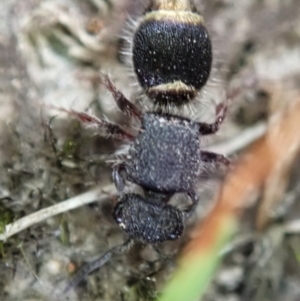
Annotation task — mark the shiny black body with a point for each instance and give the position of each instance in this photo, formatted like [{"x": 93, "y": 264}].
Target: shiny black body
[
  {"x": 172, "y": 57},
  {"x": 171, "y": 51}
]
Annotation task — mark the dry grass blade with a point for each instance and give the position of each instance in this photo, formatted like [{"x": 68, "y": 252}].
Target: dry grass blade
[{"x": 23, "y": 223}]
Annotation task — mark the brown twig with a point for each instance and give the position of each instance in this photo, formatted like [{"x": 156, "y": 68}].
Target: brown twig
[{"x": 280, "y": 144}]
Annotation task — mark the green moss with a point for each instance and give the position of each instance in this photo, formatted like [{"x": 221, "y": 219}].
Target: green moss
[{"x": 6, "y": 217}]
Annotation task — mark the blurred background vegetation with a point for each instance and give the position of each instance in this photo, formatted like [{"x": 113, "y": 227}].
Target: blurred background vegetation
[{"x": 51, "y": 52}]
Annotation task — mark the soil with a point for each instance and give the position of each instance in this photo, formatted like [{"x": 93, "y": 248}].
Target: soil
[{"x": 51, "y": 53}]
